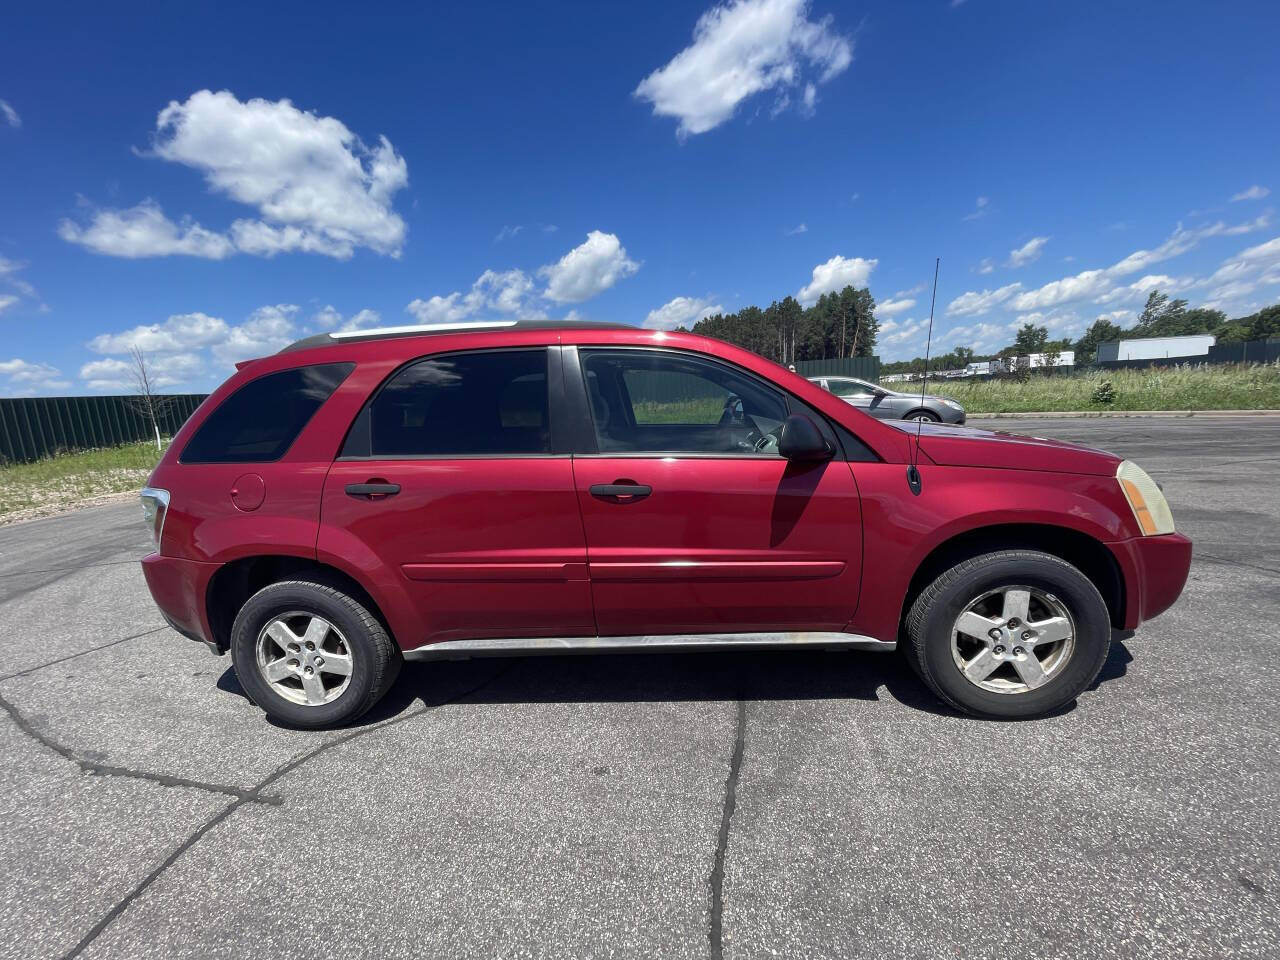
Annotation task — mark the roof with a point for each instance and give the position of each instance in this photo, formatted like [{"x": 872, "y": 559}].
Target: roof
[{"x": 430, "y": 329}]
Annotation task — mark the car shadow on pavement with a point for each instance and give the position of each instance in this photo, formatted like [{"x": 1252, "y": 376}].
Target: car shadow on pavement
[{"x": 621, "y": 677}]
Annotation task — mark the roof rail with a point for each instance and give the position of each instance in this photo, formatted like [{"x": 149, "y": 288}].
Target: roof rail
[{"x": 423, "y": 329}]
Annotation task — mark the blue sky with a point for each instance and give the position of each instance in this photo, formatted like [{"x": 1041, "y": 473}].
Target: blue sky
[{"x": 211, "y": 183}]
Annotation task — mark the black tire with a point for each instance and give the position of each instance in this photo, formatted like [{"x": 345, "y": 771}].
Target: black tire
[
  {"x": 933, "y": 615},
  {"x": 375, "y": 657},
  {"x": 926, "y": 415}
]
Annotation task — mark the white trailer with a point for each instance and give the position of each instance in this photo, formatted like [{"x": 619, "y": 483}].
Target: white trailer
[{"x": 1157, "y": 348}]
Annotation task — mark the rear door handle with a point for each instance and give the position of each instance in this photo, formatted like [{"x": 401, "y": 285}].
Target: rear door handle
[
  {"x": 621, "y": 492},
  {"x": 372, "y": 489}
]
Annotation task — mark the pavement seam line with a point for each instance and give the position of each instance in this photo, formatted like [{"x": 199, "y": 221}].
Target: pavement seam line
[
  {"x": 252, "y": 796},
  {"x": 94, "y": 768},
  {"x": 1236, "y": 563},
  {"x": 82, "y": 653},
  {"x": 716, "y": 880},
  {"x": 69, "y": 568}
]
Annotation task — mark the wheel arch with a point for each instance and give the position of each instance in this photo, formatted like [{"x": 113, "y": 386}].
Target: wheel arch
[
  {"x": 237, "y": 581},
  {"x": 916, "y": 411},
  {"x": 1087, "y": 554}
]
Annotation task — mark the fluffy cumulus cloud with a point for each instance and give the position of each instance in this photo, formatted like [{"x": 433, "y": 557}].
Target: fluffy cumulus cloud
[
  {"x": 681, "y": 312},
  {"x": 182, "y": 331},
  {"x": 508, "y": 293},
  {"x": 741, "y": 49},
  {"x": 1029, "y": 252},
  {"x": 268, "y": 330},
  {"x": 316, "y": 187},
  {"x": 891, "y": 308},
  {"x": 20, "y": 378},
  {"x": 111, "y": 375},
  {"x": 145, "y": 231},
  {"x": 588, "y": 269},
  {"x": 975, "y": 303},
  {"x": 836, "y": 274},
  {"x": 329, "y": 319}
]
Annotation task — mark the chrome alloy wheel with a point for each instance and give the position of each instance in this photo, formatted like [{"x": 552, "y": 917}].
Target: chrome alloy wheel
[
  {"x": 1013, "y": 639},
  {"x": 304, "y": 658}
]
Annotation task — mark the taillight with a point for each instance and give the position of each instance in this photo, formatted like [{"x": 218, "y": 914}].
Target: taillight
[{"x": 155, "y": 504}]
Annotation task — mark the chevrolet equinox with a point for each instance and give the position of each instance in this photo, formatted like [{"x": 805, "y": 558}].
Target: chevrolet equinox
[{"x": 482, "y": 489}]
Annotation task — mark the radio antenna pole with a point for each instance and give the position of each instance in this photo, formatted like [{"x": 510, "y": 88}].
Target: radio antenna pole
[{"x": 913, "y": 472}]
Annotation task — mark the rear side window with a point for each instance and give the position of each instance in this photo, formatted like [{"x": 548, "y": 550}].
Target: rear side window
[
  {"x": 259, "y": 422},
  {"x": 478, "y": 404}
]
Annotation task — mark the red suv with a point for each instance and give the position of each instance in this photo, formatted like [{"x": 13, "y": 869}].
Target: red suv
[{"x": 418, "y": 493}]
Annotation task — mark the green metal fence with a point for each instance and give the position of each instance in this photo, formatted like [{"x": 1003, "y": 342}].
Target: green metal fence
[
  {"x": 864, "y": 368},
  {"x": 35, "y": 427}
]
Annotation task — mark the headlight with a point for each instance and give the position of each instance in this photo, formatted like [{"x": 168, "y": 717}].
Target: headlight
[
  {"x": 155, "y": 504},
  {"x": 952, "y": 404},
  {"x": 1150, "y": 508}
]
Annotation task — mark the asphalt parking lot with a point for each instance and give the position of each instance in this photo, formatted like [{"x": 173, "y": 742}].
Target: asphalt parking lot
[{"x": 741, "y": 804}]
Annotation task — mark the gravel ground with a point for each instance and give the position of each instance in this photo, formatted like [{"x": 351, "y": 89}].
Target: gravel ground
[{"x": 740, "y": 805}]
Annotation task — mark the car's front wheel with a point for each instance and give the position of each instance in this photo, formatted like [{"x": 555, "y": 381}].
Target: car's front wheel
[
  {"x": 926, "y": 416},
  {"x": 1010, "y": 635},
  {"x": 310, "y": 655}
]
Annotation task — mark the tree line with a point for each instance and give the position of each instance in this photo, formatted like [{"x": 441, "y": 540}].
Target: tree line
[
  {"x": 1161, "y": 317},
  {"x": 840, "y": 324}
]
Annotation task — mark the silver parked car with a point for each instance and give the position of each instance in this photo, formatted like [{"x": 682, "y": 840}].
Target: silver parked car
[{"x": 890, "y": 404}]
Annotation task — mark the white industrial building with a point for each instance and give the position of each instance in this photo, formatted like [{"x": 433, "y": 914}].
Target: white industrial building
[{"x": 1157, "y": 348}]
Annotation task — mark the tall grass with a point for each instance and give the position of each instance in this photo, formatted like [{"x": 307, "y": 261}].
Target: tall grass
[
  {"x": 61, "y": 482},
  {"x": 1183, "y": 387}
]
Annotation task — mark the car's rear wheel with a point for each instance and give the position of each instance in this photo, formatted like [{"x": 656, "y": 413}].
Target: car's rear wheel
[
  {"x": 1010, "y": 635},
  {"x": 924, "y": 416},
  {"x": 310, "y": 655}
]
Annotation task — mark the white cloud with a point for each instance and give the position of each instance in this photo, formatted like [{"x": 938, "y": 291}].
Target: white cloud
[
  {"x": 986, "y": 266},
  {"x": 1255, "y": 192},
  {"x": 1029, "y": 252},
  {"x": 1088, "y": 283},
  {"x": 144, "y": 231},
  {"x": 268, "y": 330},
  {"x": 973, "y": 303},
  {"x": 326, "y": 318},
  {"x": 681, "y": 312},
  {"x": 507, "y": 232},
  {"x": 9, "y": 270},
  {"x": 7, "y": 300},
  {"x": 316, "y": 186},
  {"x": 980, "y": 208},
  {"x": 183, "y": 331},
  {"x": 891, "y": 308},
  {"x": 1241, "y": 275},
  {"x": 836, "y": 274},
  {"x": 740, "y": 49},
  {"x": 363, "y": 320},
  {"x": 23, "y": 378},
  {"x": 506, "y": 292},
  {"x": 798, "y": 229},
  {"x": 588, "y": 269},
  {"x": 10, "y": 115},
  {"x": 117, "y": 376}
]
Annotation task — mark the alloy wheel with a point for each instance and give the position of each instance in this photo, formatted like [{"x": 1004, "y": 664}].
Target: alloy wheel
[
  {"x": 304, "y": 658},
  {"x": 1013, "y": 639}
]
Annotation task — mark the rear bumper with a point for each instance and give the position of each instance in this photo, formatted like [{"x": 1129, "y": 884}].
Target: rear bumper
[
  {"x": 179, "y": 588},
  {"x": 1155, "y": 570}
]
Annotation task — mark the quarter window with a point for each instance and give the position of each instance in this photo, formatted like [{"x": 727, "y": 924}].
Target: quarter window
[
  {"x": 492, "y": 403},
  {"x": 259, "y": 422},
  {"x": 654, "y": 401}
]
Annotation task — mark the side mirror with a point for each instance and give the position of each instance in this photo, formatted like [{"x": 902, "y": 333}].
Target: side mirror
[{"x": 800, "y": 439}]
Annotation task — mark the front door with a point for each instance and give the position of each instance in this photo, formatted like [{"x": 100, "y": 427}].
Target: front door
[
  {"x": 450, "y": 485},
  {"x": 694, "y": 523}
]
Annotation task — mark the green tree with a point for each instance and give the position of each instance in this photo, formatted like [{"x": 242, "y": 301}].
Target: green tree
[
  {"x": 1031, "y": 339},
  {"x": 1100, "y": 331}
]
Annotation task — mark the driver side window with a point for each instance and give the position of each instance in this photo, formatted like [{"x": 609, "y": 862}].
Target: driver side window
[{"x": 666, "y": 402}]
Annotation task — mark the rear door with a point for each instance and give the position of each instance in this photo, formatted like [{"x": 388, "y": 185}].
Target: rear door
[
  {"x": 452, "y": 484},
  {"x": 694, "y": 523}
]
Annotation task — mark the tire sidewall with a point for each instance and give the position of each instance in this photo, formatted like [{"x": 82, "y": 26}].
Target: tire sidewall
[
  {"x": 1074, "y": 589},
  {"x": 271, "y": 602}
]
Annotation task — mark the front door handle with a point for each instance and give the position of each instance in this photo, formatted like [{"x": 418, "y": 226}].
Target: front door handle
[
  {"x": 372, "y": 489},
  {"x": 621, "y": 491}
]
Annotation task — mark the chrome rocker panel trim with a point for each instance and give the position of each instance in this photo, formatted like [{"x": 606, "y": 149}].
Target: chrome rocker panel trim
[{"x": 517, "y": 646}]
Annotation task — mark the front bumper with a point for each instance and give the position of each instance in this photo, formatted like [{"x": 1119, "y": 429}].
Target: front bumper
[
  {"x": 1155, "y": 571},
  {"x": 179, "y": 588}
]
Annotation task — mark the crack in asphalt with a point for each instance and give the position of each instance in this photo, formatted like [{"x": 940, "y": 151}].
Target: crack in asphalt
[
  {"x": 69, "y": 568},
  {"x": 1237, "y": 563},
  {"x": 722, "y": 842},
  {"x": 255, "y": 796},
  {"x": 97, "y": 769},
  {"x": 82, "y": 653}
]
